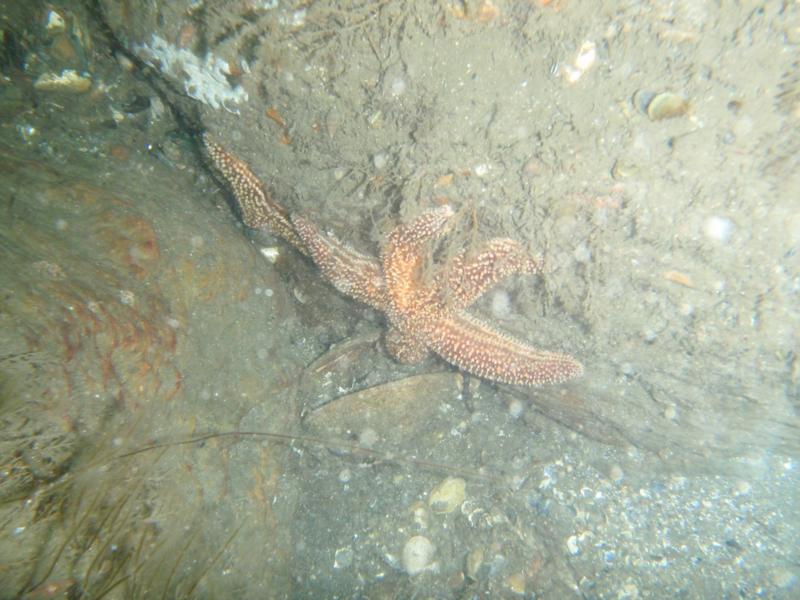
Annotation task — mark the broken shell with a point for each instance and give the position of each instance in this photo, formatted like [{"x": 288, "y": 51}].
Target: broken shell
[
  {"x": 68, "y": 81},
  {"x": 641, "y": 99},
  {"x": 666, "y": 106},
  {"x": 623, "y": 170}
]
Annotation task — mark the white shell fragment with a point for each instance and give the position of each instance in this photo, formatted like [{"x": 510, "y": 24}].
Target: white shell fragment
[
  {"x": 271, "y": 253},
  {"x": 68, "y": 81},
  {"x": 718, "y": 229},
  {"x": 586, "y": 57}
]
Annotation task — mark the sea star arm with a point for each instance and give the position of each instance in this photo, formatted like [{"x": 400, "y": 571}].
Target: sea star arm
[
  {"x": 350, "y": 272},
  {"x": 477, "y": 348},
  {"x": 254, "y": 200},
  {"x": 467, "y": 280},
  {"x": 404, "y": 347},
  {"x": 402, "y": 258}
]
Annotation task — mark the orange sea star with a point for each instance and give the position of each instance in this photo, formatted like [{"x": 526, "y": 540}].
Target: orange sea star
[{"x": 423, "y": 316}]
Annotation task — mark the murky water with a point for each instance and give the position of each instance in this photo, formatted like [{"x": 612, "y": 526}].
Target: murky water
[{"x": 191, "y": 409}]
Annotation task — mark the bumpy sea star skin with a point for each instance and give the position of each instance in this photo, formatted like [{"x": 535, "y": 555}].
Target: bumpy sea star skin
[
  {"x": 423, "y": 317},
  {"x": 467, "y": 280},
  {"x": 255, "y": 202},
  {"x": 350, "y": 272},
  {"x": 432, "y": 317}
]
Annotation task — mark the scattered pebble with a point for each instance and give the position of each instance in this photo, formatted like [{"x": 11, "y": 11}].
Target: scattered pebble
[
  {"x": 345, "y": 475},
  {"x": 417, "y": 555},
  {"x": 422, "y": 515},
  {"x": 448, "y": 495},
  {"x": 515, "y": 408},
  {"x": 398, "y": 87},
  {"x": 516, "y": 583},
  {"x": 474, "y": 563},
  {"x": 127, "y": 297},
  {"x": 572, "y": 545},
  {"x": 481, "y": 170},
  {"x": 718, "y": 229},
  {"x": 300, "y": 296},
  {"x": 582, "y": 254},
  {"x": 55, "y": 22},
  {"x": 679, "y": 278},
  {"x": 629, "y": 591},
  {"x": 368, "y": 437},
  {"x": 501, "y": 304},
  {"x": 784, "y": 578},
  {"x": 271, "y": 253},
  {"x": 627, "y": 369},
  {"x": 299, "y": 18},
  {"x": 343, "y": 557},
  {"x": 379, "y": 160},
  {"x": 741, "y": 488}
]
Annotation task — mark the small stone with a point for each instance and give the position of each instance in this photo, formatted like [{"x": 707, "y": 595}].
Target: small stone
[
  {"x": 627, "y": 369},
  {"x": 300, "y": 295},
  {"x": 398, "y": 87},
  {"x": 474, "y": 563},
  {"x": 368, "y": 437},
  {"x": 616, "y": 474},
  {"x": 783, "y": 578},
  {"x": 422, "y": 515},
  {"x": 516, "y": 583},
  {"x": 448, "y": 495},
  {"x": 515, "y": 408},
  {"x": 343, "y": 557},
  {"x": 379, "y": 160},
  {"x": 501, "y": 304},
  {"x": 55, "y": 22},
  {"x": 572, "y": 545},
  {"x": 629, "y": 591},
  {"x": 127, "y": 297},
  {"x": 741, "y": 488},
  {"x": 718, "y": 229},
  {"x": 271, "y": 254},
  {"x": 582, "y": 254},
  {"x": 417, "y": 555}
]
